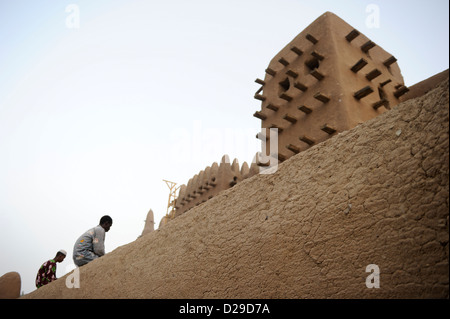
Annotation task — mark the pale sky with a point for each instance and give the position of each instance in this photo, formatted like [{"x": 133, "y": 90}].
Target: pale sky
[{"x": 94, "y": 116}]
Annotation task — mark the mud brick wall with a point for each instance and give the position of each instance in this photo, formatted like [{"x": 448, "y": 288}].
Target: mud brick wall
[
  {"x": 210, "y": 182},
  {"x": 425, "y": 86},
  {"x": 376, "y": 194},
  {"x": 10, "y": 284},
  {"x": 329, "y": 79}
]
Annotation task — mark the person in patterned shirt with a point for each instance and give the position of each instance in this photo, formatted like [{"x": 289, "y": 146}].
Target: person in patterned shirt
[{"x": 47, "y": 272}]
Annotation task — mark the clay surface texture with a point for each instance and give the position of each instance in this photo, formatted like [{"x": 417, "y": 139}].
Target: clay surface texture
[{"x": 373, "y": 195}]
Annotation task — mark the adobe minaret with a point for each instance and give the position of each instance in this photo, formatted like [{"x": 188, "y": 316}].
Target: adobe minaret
[{"x": 329, "y": 79}]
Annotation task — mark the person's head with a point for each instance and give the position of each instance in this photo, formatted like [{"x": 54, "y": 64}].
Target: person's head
[
  {"x": 106, "y": 222},
  {"x": 60, "y": 255}
]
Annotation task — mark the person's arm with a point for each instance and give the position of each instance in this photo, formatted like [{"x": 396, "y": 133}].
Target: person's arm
[
  {"x": 99, "y": 241},
  {"x": 52, "y": 270}
]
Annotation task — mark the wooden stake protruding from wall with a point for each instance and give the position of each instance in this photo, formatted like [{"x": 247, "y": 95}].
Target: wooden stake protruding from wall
[
  {"x": 286, "y": 97},
  {"x": 315, "y": 73},
  {"x": 300, "y": 86},
  {"x": 259, "y": 81},
  {"x": 312, "y": 39},
  {"x": 293, "y": 148},
  {"x": 352, "y": 35},
  {"x": 290, "y": 118},
  {"x": 296, "y": 50},
  {"x": 363, "y": 92},
  {"x": 378, "y": 104},
  {"x": 373, "y": 74},
  {"x": 271, "y": 72},
  {"x": 307, "y": 140},
  {"x": 283, "y": 61},
  {"x": 367, "y": 46},
  {"x": 389, "y": 61},
  {"x": 328, "y": 129},
  {"x": 385, "y": 82},
  {"x": 359, "y": 65},
  {"x": 260, "y": 115},
  {"x": 305, "y": 109},
  {"x": 260, "y": 97},
  {"x": 317, "y": 55},
  {"x": 282, "y": 157},
  {"x": 272, "y": 107},
  {"x": 292, "y": 73},
  {"x": 400, "y": 91},
  {"x": 321, "y": 97}
]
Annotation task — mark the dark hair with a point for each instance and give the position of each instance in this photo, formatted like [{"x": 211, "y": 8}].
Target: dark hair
[{"x": 105, "y": 219}]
